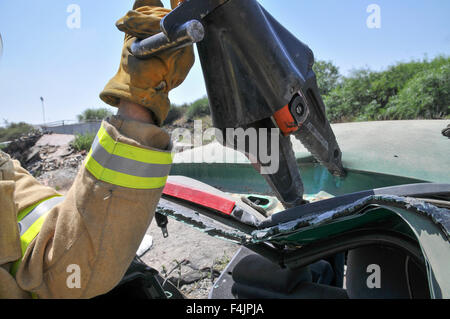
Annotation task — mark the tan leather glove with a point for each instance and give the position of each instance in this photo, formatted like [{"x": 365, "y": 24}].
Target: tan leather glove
[{"x": 147, "y": 82}]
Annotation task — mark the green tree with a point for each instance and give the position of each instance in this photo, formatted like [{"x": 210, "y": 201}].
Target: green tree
[
  {"x": 348, "y": 100},
  {"x": 94, "y": 115},
  {"x": 327, "y": 76},
  {"x": 365, "y": 95},
  {"x": 198, "y": 109},
  {"x": 426, "y": 96},
  {"x": 13, "y": 131}
]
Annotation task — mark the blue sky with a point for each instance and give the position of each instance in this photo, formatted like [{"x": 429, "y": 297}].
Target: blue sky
[{"x": 69, "y": 67}]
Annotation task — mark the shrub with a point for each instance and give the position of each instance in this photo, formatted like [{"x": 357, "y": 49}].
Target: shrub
[
  {"x": 198, "y": 109},
  {"x": 410, "y": 90},
  {"x": 426, "y": 96},
  {"x": 347, "y": 101},
  {"x": 83, "y": 142},
  {"x": 327, "y": 75},
  {"x": 13, "y": 131}
]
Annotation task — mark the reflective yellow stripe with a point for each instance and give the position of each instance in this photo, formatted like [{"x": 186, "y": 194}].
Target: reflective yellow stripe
[
  {"x": 120, "y": 179},
  {"x": 127, "y": 166},
  {"x": 31, "y": 233},
  {"x": 132, "y": 152},
  {"x": 27, "y": 210}
]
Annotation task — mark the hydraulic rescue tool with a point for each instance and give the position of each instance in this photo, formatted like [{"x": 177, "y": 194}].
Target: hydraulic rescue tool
[{"x": 258, "y": 75}]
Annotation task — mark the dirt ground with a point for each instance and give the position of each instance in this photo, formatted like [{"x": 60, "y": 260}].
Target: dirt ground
[{"x": 191, "y": 259}]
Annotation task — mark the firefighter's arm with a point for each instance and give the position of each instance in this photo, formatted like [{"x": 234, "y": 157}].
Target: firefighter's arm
[{"x": 89, "y": 239}]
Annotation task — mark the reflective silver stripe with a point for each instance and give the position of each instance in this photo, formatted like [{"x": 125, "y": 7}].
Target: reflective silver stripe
[
  {"x": 126, "y": 165},
  {"x": 37, "y": 212}
]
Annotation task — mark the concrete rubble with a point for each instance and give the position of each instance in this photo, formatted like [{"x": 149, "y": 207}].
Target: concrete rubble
[
  {"x": 53, "y": 152},
  {"x": 49, "y": 158},
  {"x": 20, "y": 149}
]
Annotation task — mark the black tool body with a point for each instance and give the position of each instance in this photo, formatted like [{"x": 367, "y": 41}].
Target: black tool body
[{"x": 254, "y": 71}]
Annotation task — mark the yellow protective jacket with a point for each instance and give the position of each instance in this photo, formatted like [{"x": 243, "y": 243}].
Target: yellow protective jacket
[{"x": 96, "y": 229}]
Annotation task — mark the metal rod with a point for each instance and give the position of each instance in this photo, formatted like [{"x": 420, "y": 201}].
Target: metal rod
[{"x": 187, "y": 34}]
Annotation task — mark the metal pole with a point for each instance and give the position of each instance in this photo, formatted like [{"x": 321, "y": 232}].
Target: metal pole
[{"x": 43, "y": 109}]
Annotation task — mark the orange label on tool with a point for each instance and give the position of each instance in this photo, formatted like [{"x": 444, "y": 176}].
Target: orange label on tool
[{"x": 286, "y": 121}]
